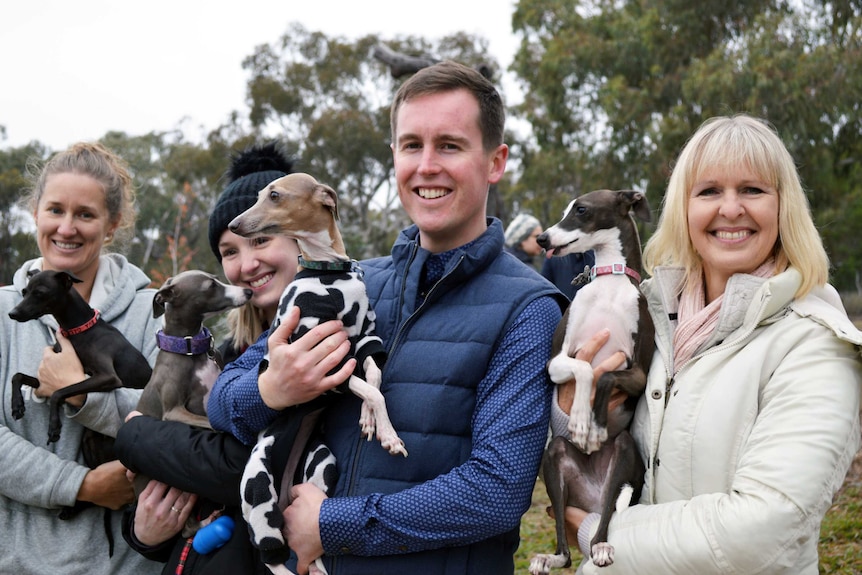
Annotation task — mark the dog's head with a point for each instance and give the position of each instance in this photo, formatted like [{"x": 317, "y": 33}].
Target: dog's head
[
  {"x": 44, "y": 293},
  {"x": 295, "y": 205},
  {"x": 594, "y": 219},
  {"x": 198, "y": 295}
]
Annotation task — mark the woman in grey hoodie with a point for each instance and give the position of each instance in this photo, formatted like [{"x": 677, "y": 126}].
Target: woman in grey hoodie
[{"x": 81, "y": 201}]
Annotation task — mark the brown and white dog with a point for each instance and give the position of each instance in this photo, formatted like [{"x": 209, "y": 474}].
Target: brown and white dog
[
  {"x": 327, "y": 286},
  {"x": 593, "y": 467}
]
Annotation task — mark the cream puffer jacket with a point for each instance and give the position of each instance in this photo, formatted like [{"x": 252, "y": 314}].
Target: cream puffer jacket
[{"x": 748, "y": 443}]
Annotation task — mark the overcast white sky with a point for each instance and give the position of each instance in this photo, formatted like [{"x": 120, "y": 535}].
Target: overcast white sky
[{"x": 73, "y": 69}]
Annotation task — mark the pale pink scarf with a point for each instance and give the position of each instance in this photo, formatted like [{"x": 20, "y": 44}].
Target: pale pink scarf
[{"x": 697, "y": 321}]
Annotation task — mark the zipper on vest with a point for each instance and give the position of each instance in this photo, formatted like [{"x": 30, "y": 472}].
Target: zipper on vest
[{"x": 401, "y": 328}]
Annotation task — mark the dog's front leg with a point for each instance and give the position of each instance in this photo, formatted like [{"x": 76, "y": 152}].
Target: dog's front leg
[
  {"x": 18, "y": 380},
  {"x": 99, "y": 382},
  {"x": 373, "y": 377},
  {"x": 562, "y": 369},
  {"x": 374, "y": 413}
]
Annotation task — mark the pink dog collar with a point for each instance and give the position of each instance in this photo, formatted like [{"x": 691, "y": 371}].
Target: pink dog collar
[{"x": 614, "y": 269}]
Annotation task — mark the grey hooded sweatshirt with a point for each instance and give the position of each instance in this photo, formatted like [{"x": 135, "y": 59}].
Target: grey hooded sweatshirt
[{"x": 38, "y": 479}]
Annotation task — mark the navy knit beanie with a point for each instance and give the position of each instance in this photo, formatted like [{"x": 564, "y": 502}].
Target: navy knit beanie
[{"x": 249, "y": 173}]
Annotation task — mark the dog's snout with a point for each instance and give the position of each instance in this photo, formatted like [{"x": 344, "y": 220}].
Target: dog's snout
[{"x": 543, "y": 240}]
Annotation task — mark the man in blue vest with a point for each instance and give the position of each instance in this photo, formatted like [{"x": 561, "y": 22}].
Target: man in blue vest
[{"x": 468, "y": 333}]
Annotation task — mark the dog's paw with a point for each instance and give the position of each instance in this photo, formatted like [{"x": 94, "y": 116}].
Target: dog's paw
[
  {"x": 579, "y": 427},
  {"x": 392, "y": 443},
  {"x": 598, "y": 435},
  {"x": 367, "y": 421},
  {"x": 18, "y": 410},
  {"x": 602, "y": 554},
  {"x": 542, "y": 563}
]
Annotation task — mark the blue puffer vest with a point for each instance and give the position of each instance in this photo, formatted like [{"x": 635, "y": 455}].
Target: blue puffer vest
[{"x": 437, "y": 356}]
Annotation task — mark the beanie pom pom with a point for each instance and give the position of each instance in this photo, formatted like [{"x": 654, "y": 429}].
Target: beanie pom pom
[{"x": 265, "y": 158}]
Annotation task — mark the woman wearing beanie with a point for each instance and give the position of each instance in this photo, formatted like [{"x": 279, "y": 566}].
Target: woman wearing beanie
[
  {"x": 521, "y": 238},
  {"x": 198, "y": 471}
]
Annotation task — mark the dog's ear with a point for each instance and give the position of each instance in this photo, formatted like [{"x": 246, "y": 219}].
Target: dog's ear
[
  {"x": 327, "y": 196},
  {"x": 638, "y": 204},
  {"x": 67, "y": 279},
  {"x": 163, "y": 296}
]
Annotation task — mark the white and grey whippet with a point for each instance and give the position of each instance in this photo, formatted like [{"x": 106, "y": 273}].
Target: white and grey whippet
[{"x": 599, "y": 462}]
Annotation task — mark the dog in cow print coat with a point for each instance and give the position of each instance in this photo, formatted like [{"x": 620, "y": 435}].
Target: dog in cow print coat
[{"x": 327, "y": 286}]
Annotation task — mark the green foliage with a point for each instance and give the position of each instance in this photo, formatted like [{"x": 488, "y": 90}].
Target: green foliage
[
  {"x": 16, "y": 224},
  {"x": 614, "y": 89}
]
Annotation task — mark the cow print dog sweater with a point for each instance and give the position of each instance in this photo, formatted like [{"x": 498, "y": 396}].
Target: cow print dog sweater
[{"x": 321, "y": 295}]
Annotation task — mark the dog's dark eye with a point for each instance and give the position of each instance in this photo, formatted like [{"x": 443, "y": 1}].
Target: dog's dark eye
[
  {"x": 274, "y": 196},
  {"x": 580, "y": 210}
]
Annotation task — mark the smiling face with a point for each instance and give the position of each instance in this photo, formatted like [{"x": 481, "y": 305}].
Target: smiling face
[
  {"x": 442, "y": 170},
  {"x": 266, "y": 264},
  {"x": 72, "y": 224},
  {"x": 732, "y": 222}
]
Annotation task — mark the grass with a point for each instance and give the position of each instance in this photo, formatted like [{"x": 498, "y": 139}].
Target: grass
[{"x": 840, "y": 534}]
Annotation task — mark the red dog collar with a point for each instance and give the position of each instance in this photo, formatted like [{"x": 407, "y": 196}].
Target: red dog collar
[{"x": 81, "y": 328}]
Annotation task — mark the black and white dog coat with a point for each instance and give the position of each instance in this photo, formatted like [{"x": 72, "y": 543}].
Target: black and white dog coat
[{"x": 321, "y": 296}]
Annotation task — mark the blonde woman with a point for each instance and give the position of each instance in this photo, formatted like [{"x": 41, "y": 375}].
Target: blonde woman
[{"x": 750, "y": 418}]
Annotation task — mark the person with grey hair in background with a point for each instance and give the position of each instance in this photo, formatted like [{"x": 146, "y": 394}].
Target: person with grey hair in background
[{"x": 520, "y": 237}]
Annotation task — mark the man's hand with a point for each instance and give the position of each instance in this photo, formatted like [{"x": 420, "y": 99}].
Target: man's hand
[
  {"x": 566, "y": 392},
  {"x": 302, "y": 524},
  {"x": 297, "y": 372}
]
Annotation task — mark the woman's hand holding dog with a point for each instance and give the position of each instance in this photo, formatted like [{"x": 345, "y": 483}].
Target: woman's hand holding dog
[
  {"x": 162, "y": 512},
  {"x": 107, "y": 486},
  {"x": 297, "y": 372},
  {"x": 60, "y": 369},
  {"x": 566, "y": 393}
]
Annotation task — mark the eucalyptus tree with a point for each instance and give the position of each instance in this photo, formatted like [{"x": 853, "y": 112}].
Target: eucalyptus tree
[{"x": 331, "y": 97}]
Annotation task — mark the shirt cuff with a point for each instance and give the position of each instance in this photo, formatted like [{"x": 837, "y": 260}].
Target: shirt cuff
[
  {"x": 338, "y": 533},
  {"x": 586, "y": 531}
]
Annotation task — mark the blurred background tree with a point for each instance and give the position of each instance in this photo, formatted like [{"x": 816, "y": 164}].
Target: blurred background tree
[
  {"x": 614, "y": 89},
  {"x": 611, "y": 91}
]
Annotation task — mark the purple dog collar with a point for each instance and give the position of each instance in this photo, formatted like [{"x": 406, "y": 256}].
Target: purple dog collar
[{"x": 188, "y": 345}]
